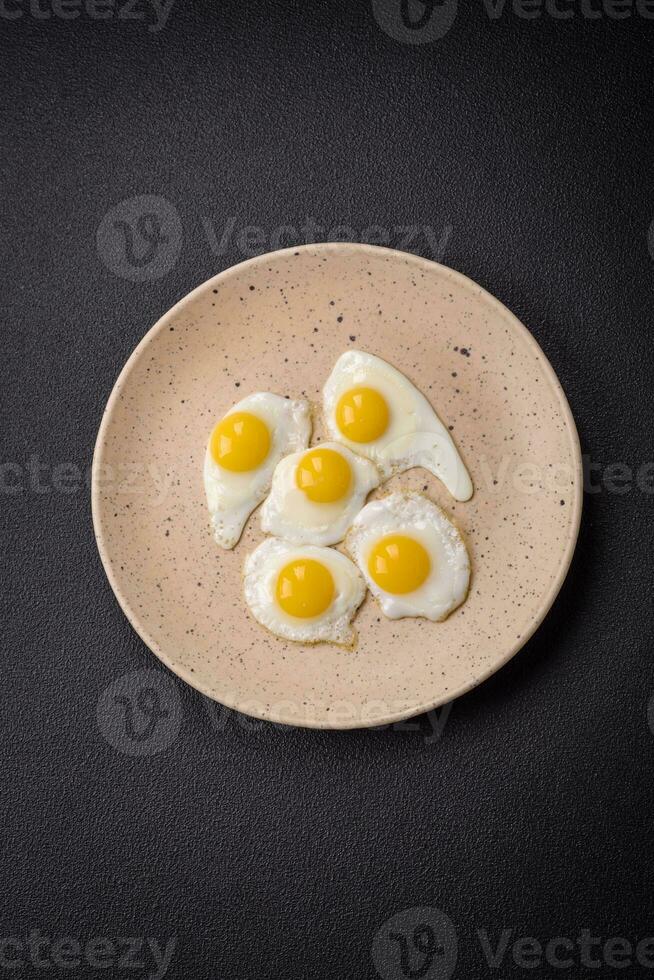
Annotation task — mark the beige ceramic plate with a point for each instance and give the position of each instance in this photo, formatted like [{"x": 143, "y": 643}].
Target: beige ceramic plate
[{"x": 278, "y": 323}]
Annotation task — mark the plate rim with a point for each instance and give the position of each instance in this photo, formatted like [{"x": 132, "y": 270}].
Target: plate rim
[{"x": 395, "y": 716}]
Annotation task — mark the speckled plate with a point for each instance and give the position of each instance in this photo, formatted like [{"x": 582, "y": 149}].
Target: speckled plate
[{"x": 278, "y": 322}]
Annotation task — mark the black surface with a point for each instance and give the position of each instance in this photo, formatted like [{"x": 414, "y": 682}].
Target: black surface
[{"x": 272, "y": 852}]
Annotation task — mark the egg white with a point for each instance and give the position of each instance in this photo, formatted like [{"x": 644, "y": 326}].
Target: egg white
[
  {"x": 288, "y": 513},
  {"x": 231, "y": 497},
  {"x": 415, "y": 516},
  {"x": 415, "y": 435},
  {"x": 261, "y": 571}
]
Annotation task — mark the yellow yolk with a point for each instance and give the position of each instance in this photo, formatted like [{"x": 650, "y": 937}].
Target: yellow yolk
[
  {"x": 324, "y": 475},
  {"x": 240, "y": 442},
  {"x": 362, "y": 414},
  {"x": 305, "y": 588},
  {"x": 398, "y": 564}
]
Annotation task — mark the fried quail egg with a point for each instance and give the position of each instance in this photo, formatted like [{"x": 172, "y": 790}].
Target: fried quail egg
[
  {"x": 317, "y": 493},
  {"x": 302, "y": 592},
  {"x": 242, "y": 452},
  {"x": 374, "y": 410},
  {"x": 412, "y": 557}
]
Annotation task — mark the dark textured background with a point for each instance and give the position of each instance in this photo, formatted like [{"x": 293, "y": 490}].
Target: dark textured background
[{"x": 274, "y": 852}]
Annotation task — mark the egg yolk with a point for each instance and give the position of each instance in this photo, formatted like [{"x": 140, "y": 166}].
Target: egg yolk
[
  {"x": 398, "y": 564},
  {"x": 240, "y": 442},
  {"x": 324, "y": 475},
  {"x": 305, "y": 588},
  {"x": 362, "y": 414}
]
